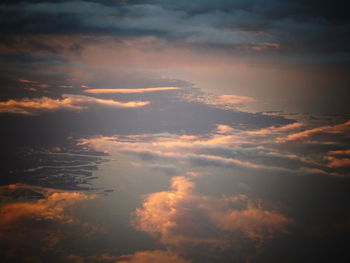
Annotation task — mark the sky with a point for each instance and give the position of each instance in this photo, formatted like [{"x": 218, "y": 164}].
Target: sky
[{"x": 174, "y": 131}]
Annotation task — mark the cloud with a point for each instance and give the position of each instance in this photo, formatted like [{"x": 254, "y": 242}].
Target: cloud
[
  {"x": 68, "y": 101},
  {"x": 25, "y": 81},
  {"x": 258, "y": 26},
  {"x": 340, "y": 152},
  {"x": 225, "y": 147},
  {"x": 308, "y": 135},
  {"x": 336, "y": 162},
  {"x": 277, "y": 130},
  {"x": 34, "y": 220},
  {"x": 158, "y": 256},
  {"x": 234, "y": 99},
  {"x": 129, "y": 91},
  {"x": 180, "y": 216},
  {"x": 52, "y": 207},
  {"x": 226, "y": 101},
  {"x": 149, "y": 256}
]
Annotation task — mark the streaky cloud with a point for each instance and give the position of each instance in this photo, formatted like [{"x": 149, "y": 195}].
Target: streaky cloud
[
  {"x": 68, "y": 101},
  {"x": 129, "y": 91},
  {"x": 159, "y": 256}
]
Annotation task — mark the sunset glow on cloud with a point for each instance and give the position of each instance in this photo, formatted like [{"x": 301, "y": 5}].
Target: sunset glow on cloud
[
  {"x": 129, "y": 91},
  {"x": 153, "y": 256},
  {"x": 228, "y": 148},
  {"x": 68, "y": 101},
  {"x": 166, "y": 214},
  {"x": 162, "y": 131}
]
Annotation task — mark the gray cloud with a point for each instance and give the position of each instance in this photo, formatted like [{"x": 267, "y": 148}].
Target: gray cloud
[{"x": 297, "y": 26}]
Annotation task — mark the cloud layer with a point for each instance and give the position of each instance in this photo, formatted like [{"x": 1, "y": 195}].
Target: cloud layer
[{"x": 283, "y": 149}]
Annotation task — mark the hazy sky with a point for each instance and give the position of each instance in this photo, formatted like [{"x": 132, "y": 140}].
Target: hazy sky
[{"x": 174, "y": 131}]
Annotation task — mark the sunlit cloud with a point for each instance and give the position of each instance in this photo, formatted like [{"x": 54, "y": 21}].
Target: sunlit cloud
[
  {"x": 339, "y": 152},
  {"x": 129, "y": 91},
  {"x": 227, "y": 147},
  {"x": 25, "y": 81},
  {"x": 68, "y": 101},
  {"x": 337, "y": 162},
  {"x": 158, "y": 256},
  {"x": 307, "y": 134},
  {"x": 234, "y": 99},
  {"x": 51, "y": 207},
  {"x": 277, "y": 130},
  {"x": 41, "y": 217},
  {"x": 226, "y": 101},
  {"x": 222, "y": 148},
  {"x": 166, "y": 215},
  {"x": 204, "y": 95}
]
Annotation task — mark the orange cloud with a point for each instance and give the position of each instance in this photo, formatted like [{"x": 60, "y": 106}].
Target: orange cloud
[
  {"x": 180, "y": 216},
  {"x": 234, "y": 99},
  {"x": 25, "y": 81},
  {"x": 226, "y": 147},
  {"x": 340, "y": 152},
  {"x": 68, "y": 101},
  {"x": 256, "y": 223},
  {"x": 128, "y": 91},
  {"x": 34, "y": 220},
  {"x": 156, "y": 256},
  {"x": 226, "y": 101},
  {"x": 190, "y": 149},
  {"x": 180, "y": 148},
  {"x": 336, "y": 129},
  {"x": 277, "y": 130},
  {"x": 335, "y": 162},
  {"x": 224, "y": 129},
  {"x": 51, "y": 207}
]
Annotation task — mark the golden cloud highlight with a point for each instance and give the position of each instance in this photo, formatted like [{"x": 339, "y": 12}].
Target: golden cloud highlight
[
  {"x": 52, "y": 207},
  {"x": 34, "y": 220},
  {"x": 337, "y": 162},
  {"x": 180, "y": 216},
  {"x": 230, "y": 147},
  {"x": 234, "y": 99},
  {"x": 129, "y": 91},
  {"x": 68, "y": 101},
  {"x": 158, "y": 256},
  {"x": 307, "y": 134}
]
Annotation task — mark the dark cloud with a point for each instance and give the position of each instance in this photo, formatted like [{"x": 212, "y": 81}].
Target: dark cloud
[{"x": 297, "y": 26}]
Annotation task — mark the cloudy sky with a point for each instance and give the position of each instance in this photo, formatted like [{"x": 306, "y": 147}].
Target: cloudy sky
[{"x": 174, "y": 131}]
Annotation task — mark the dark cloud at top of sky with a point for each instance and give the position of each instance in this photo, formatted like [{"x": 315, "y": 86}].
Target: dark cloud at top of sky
[
  {"x": 334, "y": 11},
  {"x": 295, "y": 26}
]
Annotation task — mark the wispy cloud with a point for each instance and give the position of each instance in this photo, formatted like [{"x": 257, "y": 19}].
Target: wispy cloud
[
  {"x": 337, "y": 162},
  {"x": 227, "y": 147},
  {"x": 68, "y": 101},
  {"x": 234, "y": 99},
  {"x": 158, "y": 256},
  {"x": 129, "y": 91},
  {"x": 308, "y": 134}
]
